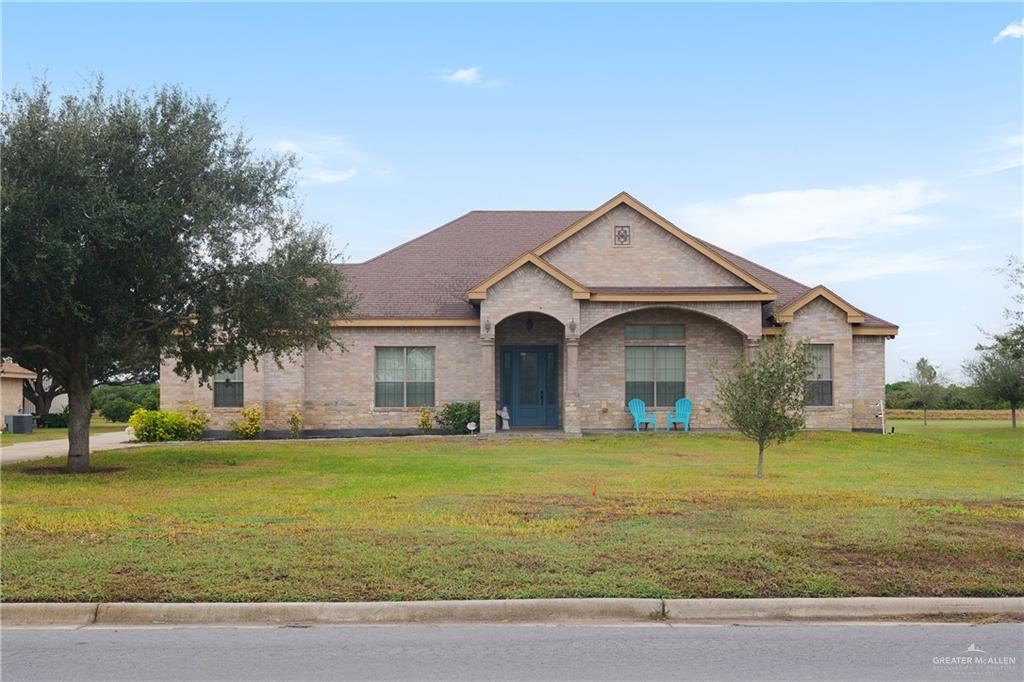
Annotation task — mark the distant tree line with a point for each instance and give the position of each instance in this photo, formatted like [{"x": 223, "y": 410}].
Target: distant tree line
[{"x": 900, "y": 395}]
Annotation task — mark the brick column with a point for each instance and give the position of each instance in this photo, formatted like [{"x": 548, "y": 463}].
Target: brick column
[
  {"x": 571, "y": 422},
  {"x": 750, "y": 347},
  {"x": 488, "y": 404}
]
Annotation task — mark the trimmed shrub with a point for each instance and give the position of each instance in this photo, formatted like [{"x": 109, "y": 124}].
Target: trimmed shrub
[
  {"x": 251, "y": 424},
  {"x": 424, "y": 422},
  {"x": 157, "y": 425},
  {"x": 118, "y": 410},
  {"x": 453, "y": 417},
  {"x": 57, "y": 420},
  {"x": 295, "y": 424}
]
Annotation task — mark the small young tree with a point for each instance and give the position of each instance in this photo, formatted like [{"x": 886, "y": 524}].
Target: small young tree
[
  {"x": 999, "y": 374},
  {"x": 925, "y": 384},
  {"x": 764, "y": 399}
]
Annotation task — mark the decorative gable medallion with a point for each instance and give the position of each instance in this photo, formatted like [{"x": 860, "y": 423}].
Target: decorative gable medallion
[{"x": 621, "y": 236}]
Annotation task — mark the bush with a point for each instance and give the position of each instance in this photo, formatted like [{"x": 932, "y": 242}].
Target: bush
[
  {"x": 118, "y": 410},
  {"x": 251, "y": 424},
  {"x": 146, "y": 396},
  {"x": 453, "y": 417},
  {"x": 295, "y": 424},
  {"x": 56, "y": 420},
  {"x": 157, "y": 425},
  {"x": 424, "y": 422}
]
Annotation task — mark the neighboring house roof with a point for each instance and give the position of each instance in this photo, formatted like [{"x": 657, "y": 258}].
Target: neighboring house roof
[
  {"x": 10, "y": 370},
  {"x": 431, "y": 276}
]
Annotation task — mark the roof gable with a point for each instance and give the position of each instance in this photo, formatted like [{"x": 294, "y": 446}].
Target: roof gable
[
  {"x": 479, "y": 292},
  {"x": 624, "y": 198},
  {"x": 853, "y": 315}
]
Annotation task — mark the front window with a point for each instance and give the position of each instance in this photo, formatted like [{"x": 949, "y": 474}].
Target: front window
[
  {"x": 655, "y": 363},
  {"x": 228, "y": 388},
  {"x": 818, "y": 390},
  {"x": 404, "y": 377}
]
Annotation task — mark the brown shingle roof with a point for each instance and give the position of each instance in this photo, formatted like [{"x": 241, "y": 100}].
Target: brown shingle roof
[{"x": 428, "y": 277}]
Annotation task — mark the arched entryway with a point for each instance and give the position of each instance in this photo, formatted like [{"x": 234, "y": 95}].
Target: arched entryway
[{"x": 529, "y": 369}]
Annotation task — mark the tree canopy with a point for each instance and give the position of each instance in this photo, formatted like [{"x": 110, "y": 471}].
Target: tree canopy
[{"x": 143, "y": 226}]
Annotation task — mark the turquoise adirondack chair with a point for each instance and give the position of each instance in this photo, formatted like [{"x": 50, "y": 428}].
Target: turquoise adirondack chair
[
  {"x": 638, "y": 409},
  {"x": 684, "y": 406}
]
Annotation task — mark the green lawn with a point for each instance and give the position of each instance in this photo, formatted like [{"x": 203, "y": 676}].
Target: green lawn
[
  {"x": 97, "y": 426},
  {"x": 675, "y": 515},
  {"x": 918, "y": 426}
]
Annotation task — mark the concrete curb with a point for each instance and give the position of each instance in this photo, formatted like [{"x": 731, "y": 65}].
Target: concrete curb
[{"x": 502, "y": 611}]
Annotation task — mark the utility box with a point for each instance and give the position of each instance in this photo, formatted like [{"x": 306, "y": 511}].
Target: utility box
[{"x": 18, "y": 423}]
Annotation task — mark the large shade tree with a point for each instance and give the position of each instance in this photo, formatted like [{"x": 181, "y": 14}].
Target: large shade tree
[
  {"x": 142, "y": 225},
  {"x": 999, "y": 374}
]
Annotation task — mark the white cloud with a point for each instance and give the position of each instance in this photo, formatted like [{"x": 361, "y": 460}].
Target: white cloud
[
  {"x": 467, "y": 76},
  {"x": 472, "y": 76},
  {"x": 321, "y": 155},
  {"x": 849, "y": 264},
  {"x": 803, "y": 215},
  {"x": 327, "y": 177},
  {"x": 1009, "y": 152},
  {"x": 1015, "y": 29}
]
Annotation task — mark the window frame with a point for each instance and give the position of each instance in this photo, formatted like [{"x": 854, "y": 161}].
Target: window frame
[
  {"x": 224, "y": 382},
  {"x": 820, "y": 392},
  {"x": 406, "y": 380},
  {"x": 656, "y": 341}
]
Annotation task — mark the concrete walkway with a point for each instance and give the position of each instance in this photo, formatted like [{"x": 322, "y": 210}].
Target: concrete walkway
[{"x": 58, "y": 447}]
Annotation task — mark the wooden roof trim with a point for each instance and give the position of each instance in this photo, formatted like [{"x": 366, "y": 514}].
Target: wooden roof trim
[
  {"x": 678, "y": 298},
  {"x": 660, "y": 221},
  {"x": 479, "y": 292},
  {"x": 407, "y": 322},
  {"x": 853, "y": 315},
  {"x": 857, "y": 331}
]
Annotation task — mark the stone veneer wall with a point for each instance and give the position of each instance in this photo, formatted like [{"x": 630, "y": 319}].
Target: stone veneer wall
[
  {"x": 335, "y": 389},
  {"x": 868, "y": 380},
  {"x": 822, "y": 322},
  {"x": 710, "y": 346},
  {"x": 654, "y": 257}
]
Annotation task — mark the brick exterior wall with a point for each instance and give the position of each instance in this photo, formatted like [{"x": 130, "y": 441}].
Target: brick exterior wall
[
  {"x": 822, "y": 322},
  {"x": 868, "y": 380},
  {"x": 529, "y": 289},
  {"x": 335, "y": 390},
  {"x": 654, "y": 258},
  {"x": 711, "y": 347}
]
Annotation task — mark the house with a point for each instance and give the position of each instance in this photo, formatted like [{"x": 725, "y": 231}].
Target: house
[
  {"x": 12, "y": 381},
  {"x": 561, "y": 316}
]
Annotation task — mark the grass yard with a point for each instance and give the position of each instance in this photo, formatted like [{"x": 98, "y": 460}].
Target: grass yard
[
  {"x": 675, "y": 515},
  {"x": 946, "y": 425},
  {"x": 97, "y": 426}
]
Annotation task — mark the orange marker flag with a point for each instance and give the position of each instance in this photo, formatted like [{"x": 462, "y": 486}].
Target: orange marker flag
[{"x": 594, "y": 492}]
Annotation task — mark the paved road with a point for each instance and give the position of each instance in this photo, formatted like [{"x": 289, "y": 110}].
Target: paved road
[
  {"x": 423, "y": 652},
  {"x": 58, "y": 447}
]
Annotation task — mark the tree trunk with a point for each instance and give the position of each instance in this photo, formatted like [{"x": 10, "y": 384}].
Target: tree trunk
[
  {"x": 40, "y": 398},
  {"x": 760, "y": 461},
  {"x": 79, "y": 412},
  {"x": 1013, "y": 416},
  {"x": 926, "y": 416}
]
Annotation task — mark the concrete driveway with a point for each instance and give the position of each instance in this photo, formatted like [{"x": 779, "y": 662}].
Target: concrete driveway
[{"x": 41, "y": 449}]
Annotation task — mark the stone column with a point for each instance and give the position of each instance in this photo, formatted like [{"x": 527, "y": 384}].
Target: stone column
[
  {"x": 571, "y": 421},
  {"x": 488, "y": 404}
]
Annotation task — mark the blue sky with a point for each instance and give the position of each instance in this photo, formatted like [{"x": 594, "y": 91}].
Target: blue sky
[{"x": 873, "y": 148}]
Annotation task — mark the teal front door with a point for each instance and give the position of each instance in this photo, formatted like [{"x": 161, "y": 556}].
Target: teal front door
[{"x": 529, "y": 385}]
